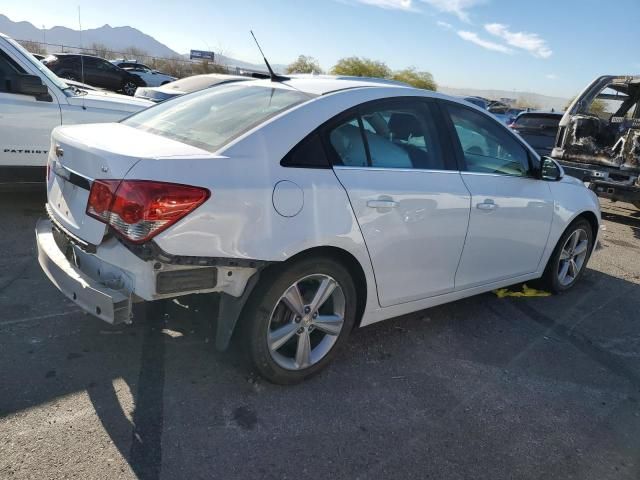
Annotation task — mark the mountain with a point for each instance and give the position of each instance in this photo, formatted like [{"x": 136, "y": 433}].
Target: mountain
[
  {"x": 544, "y": 102},
  {"x": 116, "y": 38}
]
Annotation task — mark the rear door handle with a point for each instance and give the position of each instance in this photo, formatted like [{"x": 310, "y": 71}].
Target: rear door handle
[
  {"x": 382, "y": 203},
  {"x": 488, "y": 204}
]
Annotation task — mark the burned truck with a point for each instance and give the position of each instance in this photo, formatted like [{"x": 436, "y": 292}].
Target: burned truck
[{"x": 598, "y": 139}]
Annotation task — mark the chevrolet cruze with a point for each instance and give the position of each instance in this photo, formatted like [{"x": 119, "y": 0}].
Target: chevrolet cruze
[{"x": 310, "y": 205}]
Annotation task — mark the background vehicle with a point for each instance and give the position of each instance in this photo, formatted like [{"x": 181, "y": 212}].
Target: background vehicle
[
  {"x": 538, "y": 129},
  {"x": 186, "y": 85},
  {"x": 153, "y": 78},
  {"x": 477, "y": 101},
  {"x": 504, "y": 113},
  {"x": 599, "y": 137},
  {"x": 33, "y": 101},
  {"x": 95, "y": 71},
  {"x": 266, "y": 192}
]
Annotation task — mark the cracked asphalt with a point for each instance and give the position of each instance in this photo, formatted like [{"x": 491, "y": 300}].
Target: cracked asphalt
[{"x": 483, "y": 388}]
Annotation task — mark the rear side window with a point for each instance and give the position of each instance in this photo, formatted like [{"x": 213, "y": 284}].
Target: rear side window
[
  {"x": 389, "y": 134},
  {"x": 486, "y": 146},
  {"x": 211, "y": 118},
  {"x": 309, "y": 153}
]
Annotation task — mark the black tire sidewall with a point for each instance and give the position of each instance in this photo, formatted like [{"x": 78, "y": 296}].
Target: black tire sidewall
[
  {"x": 550, "y": 278},
  {"x": 127, "y": 82},
  {"x": 263, "y": 299}
]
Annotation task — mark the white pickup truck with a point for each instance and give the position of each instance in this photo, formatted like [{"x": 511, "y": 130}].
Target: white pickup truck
[{"x": 33, "y": 100}]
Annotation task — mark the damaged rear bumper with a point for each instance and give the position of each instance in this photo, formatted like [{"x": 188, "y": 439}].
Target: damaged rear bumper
[{"x": 110, "y": 305}]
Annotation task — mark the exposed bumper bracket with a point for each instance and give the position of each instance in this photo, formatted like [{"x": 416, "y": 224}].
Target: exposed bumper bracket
[{"x": 112, "y": 306}]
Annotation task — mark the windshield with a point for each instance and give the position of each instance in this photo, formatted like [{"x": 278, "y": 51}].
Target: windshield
[
  {"x": 39, "y": 65},
  {"x": 211, "y": 118}
]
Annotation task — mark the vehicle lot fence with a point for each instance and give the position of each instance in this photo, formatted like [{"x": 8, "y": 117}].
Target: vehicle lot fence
[{"x": 176, "y": 66}]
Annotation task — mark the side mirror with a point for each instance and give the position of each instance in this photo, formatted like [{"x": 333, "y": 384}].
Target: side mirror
[
  {"x": 551, "y": 170},
  {"x": 25, "y": 84}
]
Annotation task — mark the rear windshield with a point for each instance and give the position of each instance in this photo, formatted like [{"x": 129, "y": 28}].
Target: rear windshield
[
  {"x": 538, "y": 121},
  {"x": 211, "y": 118},
  {"x": 198, "y": 82}
]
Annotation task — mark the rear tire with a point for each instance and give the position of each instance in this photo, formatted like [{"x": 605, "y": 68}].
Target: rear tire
[
  {"x": 569, "y": 259},
  {"x": 287, "y": 347},
  {"x": 129, "y": 88}
]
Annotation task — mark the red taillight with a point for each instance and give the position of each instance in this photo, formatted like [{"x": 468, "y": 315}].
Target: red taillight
[{"x": 140, "y": 209}]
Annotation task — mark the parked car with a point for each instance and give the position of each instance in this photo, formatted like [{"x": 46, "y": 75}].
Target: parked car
[
  {"x": 504, "y": 113},
  {"x": 187, "y": 85},
  {"x": 153, "y": 78},
  {"x": 310, "y": 206},
  {"x": 95, "y": 71},
  {"x": 538, "y": 129},
  {"x": 33, "y": 100},
  {"x": 599, "y": 137},
  {"x": 477, "y": 101}
]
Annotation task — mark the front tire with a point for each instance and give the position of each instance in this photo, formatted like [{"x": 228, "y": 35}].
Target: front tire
[
  {"x": 569, "y": 259},
  {"x": 298, "y": 318}
]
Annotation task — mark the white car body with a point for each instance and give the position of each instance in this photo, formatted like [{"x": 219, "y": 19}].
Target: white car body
[
  {"x": 26, "y": 122},
  {"x": 186, "y": 85},
  {"x": 419, "y": 238},
  {"x": 153, "y": 78}
]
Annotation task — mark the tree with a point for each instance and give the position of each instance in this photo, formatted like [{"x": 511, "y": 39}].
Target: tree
[
  {"x": 205, "y": 66},
  {"x": 304, "y": 64},
  {"x": 416, "y": 79},
  {"x": 361, "y": 67},
  {"x": 100, "y": 50},
  {"x": 34, "y": 47},
  {"x": 599, "y": 108}
]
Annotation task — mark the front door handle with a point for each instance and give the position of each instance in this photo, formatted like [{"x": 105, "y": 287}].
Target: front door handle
[
  {"x": 382, "y": 203},
  {"x": 488, "y": 204}
]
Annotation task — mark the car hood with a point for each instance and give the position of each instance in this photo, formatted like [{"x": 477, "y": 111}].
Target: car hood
[{"x": 109, "y": 101}]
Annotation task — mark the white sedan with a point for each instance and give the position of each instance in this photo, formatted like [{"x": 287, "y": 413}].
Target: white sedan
[
  {"x": 310, "y": 205},
  {"x": 151, "y": 77}
]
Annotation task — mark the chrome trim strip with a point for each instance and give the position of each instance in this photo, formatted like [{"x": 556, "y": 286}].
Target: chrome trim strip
[{"x": 382, "y": 169}]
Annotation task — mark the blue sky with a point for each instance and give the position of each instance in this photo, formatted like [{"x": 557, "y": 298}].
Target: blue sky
[{"x": 552, "y": 47}]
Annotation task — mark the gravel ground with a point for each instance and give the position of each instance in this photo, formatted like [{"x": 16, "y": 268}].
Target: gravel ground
[{"x": 480, "y": 388}]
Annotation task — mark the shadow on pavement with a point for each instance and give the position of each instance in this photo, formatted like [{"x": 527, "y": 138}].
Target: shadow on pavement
[{"x": 178, "y": 370}]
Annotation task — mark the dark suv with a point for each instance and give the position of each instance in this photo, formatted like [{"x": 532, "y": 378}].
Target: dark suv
[{"x": 95, "y": 70}]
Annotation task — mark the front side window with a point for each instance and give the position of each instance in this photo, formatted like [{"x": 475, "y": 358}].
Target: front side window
[
  {"x": 486, "y": 146},
  {"x": 211, "y": 118},
  {"x": 8, "y": 70},
  {"x": 396, "y": 134}
]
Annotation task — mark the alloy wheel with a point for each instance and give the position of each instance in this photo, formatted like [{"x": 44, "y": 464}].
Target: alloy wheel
[
  {"x": 572, "y": 257},
  {"x": 129, "y": 88},
  {"x": 306, "y": 322}
]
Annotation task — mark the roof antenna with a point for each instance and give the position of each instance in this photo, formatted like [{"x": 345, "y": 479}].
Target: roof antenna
[
  {"x": 274, "y": 76},
  {"x": 84, "y": 107}
]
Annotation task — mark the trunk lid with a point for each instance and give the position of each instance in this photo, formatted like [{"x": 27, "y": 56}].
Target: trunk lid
[{"x": 80, "y": 154}]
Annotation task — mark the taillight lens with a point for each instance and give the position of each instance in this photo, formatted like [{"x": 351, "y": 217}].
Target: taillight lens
[{"x": 140, "y": 209}]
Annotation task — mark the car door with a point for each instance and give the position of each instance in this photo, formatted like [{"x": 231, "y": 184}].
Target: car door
[
  {"x": 25, "y": 125},
  {"x": 511, "y": 209},
  {"x": 113, "y": 76},
  {"x": 408, "y": 198}
]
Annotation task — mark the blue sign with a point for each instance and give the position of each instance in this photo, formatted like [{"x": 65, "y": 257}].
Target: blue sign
[{"x": 201, "y": 55}]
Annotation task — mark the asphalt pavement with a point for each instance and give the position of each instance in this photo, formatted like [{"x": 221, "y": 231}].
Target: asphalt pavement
[{"x": 483, "y": 388}]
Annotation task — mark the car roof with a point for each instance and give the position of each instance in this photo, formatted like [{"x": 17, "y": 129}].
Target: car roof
[{"x": 324, "y": 84}]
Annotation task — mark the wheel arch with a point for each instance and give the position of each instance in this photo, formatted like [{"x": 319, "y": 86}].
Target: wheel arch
[
  {"x": 590, "y": 217},
  {"x": 349, "y": 261}
]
